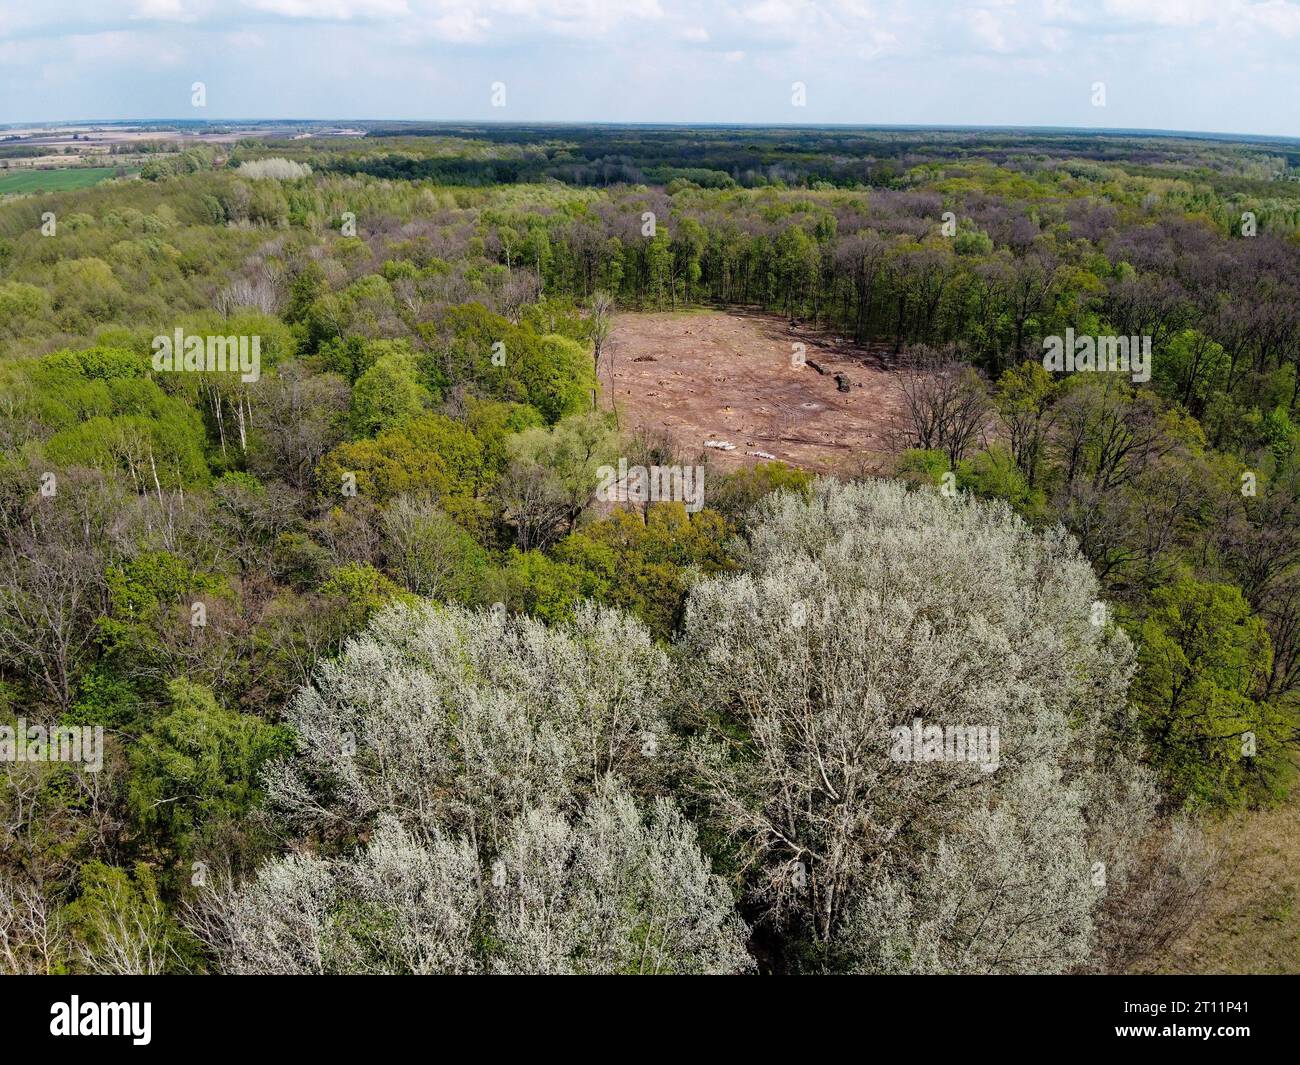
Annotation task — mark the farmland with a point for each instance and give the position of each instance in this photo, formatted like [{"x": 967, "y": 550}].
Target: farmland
[{"x": 19, "y": 182}]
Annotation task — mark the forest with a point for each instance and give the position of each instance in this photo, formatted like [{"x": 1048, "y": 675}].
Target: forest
[{"x": 383, "y": 687}]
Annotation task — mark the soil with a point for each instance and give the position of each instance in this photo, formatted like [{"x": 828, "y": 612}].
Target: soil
[{"x": 735, "y": 377}]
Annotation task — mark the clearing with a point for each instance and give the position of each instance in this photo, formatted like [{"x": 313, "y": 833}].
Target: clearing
[
  {"x": 733, "y": 377},
  {"x": 1251, "y": 920}
]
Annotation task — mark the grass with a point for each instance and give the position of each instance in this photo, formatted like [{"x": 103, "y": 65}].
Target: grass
[
  {"x": 1252, "y": 923},
  {"x": 24, "y": 181}
]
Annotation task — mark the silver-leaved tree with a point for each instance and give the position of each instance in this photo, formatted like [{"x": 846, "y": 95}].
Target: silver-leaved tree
[
  {"x": 869, "y": 615},
  {"x": 501, "y": 774}
]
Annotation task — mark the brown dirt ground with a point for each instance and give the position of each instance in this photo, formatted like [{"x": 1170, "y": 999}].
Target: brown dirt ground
[{"x": 723, "y": 375}]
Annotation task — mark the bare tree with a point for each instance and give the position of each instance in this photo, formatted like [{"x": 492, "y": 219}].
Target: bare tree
[
  {"x": 423, "y": 547},
  {"x": 29, "y": 929},
  {"x": 945, "y": 404},
  {"x": 52, "y": 560},
  {"x": 263, "y": 293},
  {"x": 599, "y": 323},
  {"x": 301, "y": 420},
  {"x": 127, "y": 938}
]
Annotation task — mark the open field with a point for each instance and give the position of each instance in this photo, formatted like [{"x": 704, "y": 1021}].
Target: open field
[
  {"x": 729, "y": 376},
  {"x": 1251, "y": 921},
  {"x": 54, "y": 180},
  {"x": 101, "y": 138}
]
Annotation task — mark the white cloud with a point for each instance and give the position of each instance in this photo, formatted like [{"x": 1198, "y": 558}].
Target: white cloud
[
  {"x": 1164, "y": 12},
  {"x": 1268, "y": 16},
  {"x": 988, "y": 31},
  {"x": 170, "y": 10},
  {"x": 1275, "y": 16},
  {"x": 334, "y": 10},
  {"x": 772, "y": 13},
  {"x": 871, "y": 60}
]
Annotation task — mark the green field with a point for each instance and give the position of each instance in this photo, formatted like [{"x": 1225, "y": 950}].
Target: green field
[{"x": 16, "y": 181}]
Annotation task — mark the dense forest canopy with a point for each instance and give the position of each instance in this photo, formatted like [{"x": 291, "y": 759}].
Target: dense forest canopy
[{"x": 359, "y": 636}]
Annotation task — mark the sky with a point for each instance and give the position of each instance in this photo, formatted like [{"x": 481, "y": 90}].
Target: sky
[{"x": 1211, "y": 65}]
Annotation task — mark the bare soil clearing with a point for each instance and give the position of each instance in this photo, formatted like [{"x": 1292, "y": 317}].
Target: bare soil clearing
[{"x": 733, "y": 377}]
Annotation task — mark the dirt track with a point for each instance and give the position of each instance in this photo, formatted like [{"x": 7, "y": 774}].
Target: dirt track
[{"x": 724, "y": 376}]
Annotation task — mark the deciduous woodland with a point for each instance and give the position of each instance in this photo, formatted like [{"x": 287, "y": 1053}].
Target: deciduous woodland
[{"x": 385, "y": 688}]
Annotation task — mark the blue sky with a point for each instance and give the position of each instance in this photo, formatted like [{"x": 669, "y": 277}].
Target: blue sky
[{"x": 1220, "y": 65}]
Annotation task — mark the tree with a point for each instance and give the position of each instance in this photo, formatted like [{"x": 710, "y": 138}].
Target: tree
[
  {"x": 52, "y": 588},
  {"x": 431, "y": 454},
  {"x": 614, "y": 891},
  {"x": 1190, "y": 368},
  {"x": 429, "y": 553},
  {"x": 495, "y": 765},
  {"x": 520, "y": 714},
  {"x": 30, "y": 929},
  {"x": 356, "y": 592},
  {"x": 387, "y": 394},
  {"x": 197, "y": 767},
  {"x": 534, "y": 583},
  {"x": 600, "y": 321},
  {"x": 945, "y": 404},
  {"x": 1205, "y": 659},
  {"x": 1028, "y": 285},
  {"x": 301, "y": 419},
  {"x": 866, "y": 609},
  {"x": 552, "y": 478},
  {"x": 645, "y": 566},
  {"x": 120, "y": 925},
  {"x": 1023, "y": 402},
  {"x": 736, "y": 493},
  {"x": 1108, "y": 431},
  {"x": 555, "y": 375}
]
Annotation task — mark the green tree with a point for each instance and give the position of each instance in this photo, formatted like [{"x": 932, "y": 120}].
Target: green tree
[
  {"x": 387, "y": 394},
  {"x": 197, "y": 767},
  {"x": 646, "y": 566},
  {"x": 356, "y": 591},
  {"x": 119, "y": 925},
  {"x": 429, "y": 454},
  {"x": 1023, "y": 402},
  {"x": 1203, "y": 659},
  {"x": 535, "y": 584}
]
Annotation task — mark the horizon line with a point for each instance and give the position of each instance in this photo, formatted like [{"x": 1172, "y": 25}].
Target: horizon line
[{"x": 580, "y": 124}]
